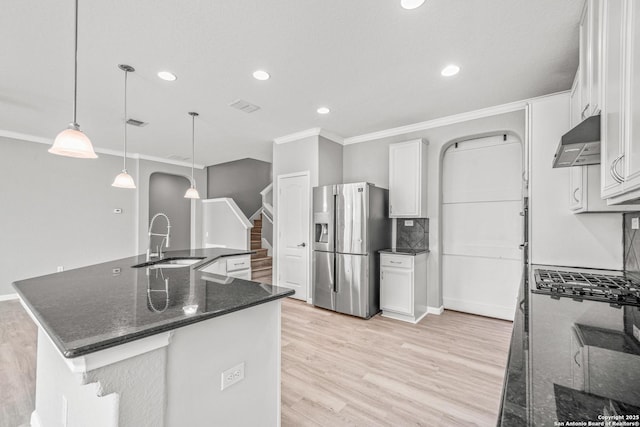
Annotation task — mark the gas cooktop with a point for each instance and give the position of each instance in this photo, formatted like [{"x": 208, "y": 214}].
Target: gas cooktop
[{"x": 619, "y": 290}]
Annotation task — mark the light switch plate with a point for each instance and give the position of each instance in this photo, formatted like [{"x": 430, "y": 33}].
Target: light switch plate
[
  {"x": 408, "y": 223},
  {"x": 635, "y": 223}
]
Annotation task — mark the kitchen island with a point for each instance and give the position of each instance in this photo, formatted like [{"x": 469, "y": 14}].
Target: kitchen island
[
  {"x": 150, "y": 346},
  {"x": 571, "y": 360}
]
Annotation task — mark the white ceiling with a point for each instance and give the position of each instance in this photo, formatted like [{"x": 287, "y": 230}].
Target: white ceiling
[{"x": 376, "y": 65}]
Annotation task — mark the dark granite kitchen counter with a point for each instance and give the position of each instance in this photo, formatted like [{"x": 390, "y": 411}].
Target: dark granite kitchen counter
[
  {"x": 402, "y": 251},
  {"x": 571, "y": 361},
  {"x": 104, "y": 305}
]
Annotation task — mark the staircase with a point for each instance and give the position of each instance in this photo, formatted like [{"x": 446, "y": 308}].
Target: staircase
[{"x": 261, "y": 263}]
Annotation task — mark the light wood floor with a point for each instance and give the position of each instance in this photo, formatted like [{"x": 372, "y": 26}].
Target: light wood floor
[
  {"x": 341, "y": 370},
  {"x": 18, "y": 336},
  {"x": 336, "y": 369}
]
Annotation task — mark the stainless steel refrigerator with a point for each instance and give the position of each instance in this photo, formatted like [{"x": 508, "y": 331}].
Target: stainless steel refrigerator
[{"x": 349, "y": 227}]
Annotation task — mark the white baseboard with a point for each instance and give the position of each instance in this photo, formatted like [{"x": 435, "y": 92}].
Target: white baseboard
[
  {"x": 8, "y": 297},
  {"x": 488, "y": 310},
  {"x": 403, "y": 317},
  {"x": 435, "y": 310}
]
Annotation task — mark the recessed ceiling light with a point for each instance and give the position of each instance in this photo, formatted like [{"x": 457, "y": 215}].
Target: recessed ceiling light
[
  {"x": 168, "y": 76},
  {"x": 323, "y": 110},
  {"x": 261, "y": 75},
  {"x": 450, "y": 70},
  {"x": 411, "y": 4}
]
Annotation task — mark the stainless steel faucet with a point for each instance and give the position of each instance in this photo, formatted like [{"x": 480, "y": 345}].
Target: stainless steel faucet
[{"x": 165, "y": 237}]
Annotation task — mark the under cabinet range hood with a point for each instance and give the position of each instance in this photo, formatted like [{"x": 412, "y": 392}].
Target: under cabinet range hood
[{"x": 580, "y": 146}]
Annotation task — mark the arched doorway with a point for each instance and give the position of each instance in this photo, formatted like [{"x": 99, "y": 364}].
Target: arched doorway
[{"x": 166, "y": 195}]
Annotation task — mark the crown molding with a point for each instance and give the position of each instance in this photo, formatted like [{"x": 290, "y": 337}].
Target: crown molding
[
  {"x": 332, "y": 137},
  {"x": 307, "y": 133},
  {"x": 42, "y": 140},
  {"x": 297, "y": 136},
  {"x": 448, "y": 120}
]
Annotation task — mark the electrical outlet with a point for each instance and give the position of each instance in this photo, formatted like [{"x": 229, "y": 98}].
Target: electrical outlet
[
  {"x": 635, "y": 223},
  {"x": 636, "y": 332},
  {"x": 60, "y": 268},
  {"x": 232, "y": 376},
  {"x": 408, "y": 223}
]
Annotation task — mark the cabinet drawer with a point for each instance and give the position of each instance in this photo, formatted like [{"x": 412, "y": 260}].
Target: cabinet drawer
[
  {"x": 238, "y": 263},
  {"x": 401, "y": 261}
]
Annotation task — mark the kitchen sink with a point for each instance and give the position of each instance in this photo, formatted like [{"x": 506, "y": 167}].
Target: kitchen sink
[{"x": 170, "y": 263}]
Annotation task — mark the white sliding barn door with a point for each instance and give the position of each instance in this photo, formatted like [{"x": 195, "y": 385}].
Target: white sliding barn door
[{"x": 482, "y": 226}]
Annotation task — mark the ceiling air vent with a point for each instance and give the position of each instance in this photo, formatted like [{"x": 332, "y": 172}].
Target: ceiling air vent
[
  {"x": 138, "y": 123},
  {"x": 245, "y": 106}
]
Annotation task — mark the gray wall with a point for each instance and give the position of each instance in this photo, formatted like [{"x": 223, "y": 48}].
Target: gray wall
[
  {"x": 166, "y": 195},
  {"x": 242, "y": 180},
  {"x": 58, "y": 211},
  {"x": 329, "y": 162},
  {"x": 369, "y": 161}
]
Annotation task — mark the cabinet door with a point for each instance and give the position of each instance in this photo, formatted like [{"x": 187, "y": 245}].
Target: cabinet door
[
  {"x": 578, "y": 367},
  {"x": 612, "y": 118},
  {"x": 585, "y": 61},
  {"x": 632, "y": 104},
  {"x": 575, "y": 101},
  {"x": 595, "y": 55},
  {"x": 216, "y": 267},
  {"x": 577, "y": 188},
  {"x": 404, "y": 179},
  {"x": 396, "y": 290}
]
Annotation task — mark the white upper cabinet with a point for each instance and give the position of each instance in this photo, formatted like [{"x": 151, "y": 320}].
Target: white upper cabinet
[
  {"x": 590, "y": 53},
  {"x": 407, "y": 179},
  {"x": 576, "y": 186},
  {"x": 612, "y": 96},
  {"x": 621, "y": 101}
]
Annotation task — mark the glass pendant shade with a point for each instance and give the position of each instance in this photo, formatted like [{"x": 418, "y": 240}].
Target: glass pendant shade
[
  {"x": 124, "y": 180},
  {"x": 72, "y": 142},
  {"x": 192, "y": 193}
]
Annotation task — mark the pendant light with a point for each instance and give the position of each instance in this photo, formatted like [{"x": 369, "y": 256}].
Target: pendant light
[
  {"x": 124, "y": 180},
  {"x": 192, "y": 193},
  {"x": 72, "y": 142}
]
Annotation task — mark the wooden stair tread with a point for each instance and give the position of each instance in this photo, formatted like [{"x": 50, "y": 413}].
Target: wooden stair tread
[{"x": 253, "y": 270}]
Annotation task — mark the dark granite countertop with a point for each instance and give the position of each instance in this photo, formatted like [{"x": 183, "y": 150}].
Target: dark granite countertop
[
  {"x": 402, "y": 251},
  {"x": 104, "y": 305},
  {"x": 571, "y": 360}
]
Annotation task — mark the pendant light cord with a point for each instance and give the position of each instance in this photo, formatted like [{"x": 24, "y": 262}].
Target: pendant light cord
[
  {"x": 125, "y": 121},
  {"x": 193, "y": 147},
  {"x": 75, "y": 71}
]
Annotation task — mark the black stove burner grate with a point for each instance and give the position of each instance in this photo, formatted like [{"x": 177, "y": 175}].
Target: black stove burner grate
[{"x": 599, "y": 287}]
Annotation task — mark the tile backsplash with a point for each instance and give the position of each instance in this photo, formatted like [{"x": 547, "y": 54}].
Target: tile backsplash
[
  {"x": 631, "y": 244},
  {"x": 412, "y": 233}
]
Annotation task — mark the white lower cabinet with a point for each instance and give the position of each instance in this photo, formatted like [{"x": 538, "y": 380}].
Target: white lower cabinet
[
  {"x": 237, "y": 266},
  {"x": 403, "y": 286}
]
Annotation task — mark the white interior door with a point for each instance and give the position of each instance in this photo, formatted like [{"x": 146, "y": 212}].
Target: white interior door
[
  {"x": 293, "y": 211},
  {"x": 482, "y": 226}
]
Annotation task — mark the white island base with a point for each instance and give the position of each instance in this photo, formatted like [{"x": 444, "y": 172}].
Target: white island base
[{"x": 170, "y": 379}]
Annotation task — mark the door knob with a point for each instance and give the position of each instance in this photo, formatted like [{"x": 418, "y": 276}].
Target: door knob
[{"x": 302, "y": 245}]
